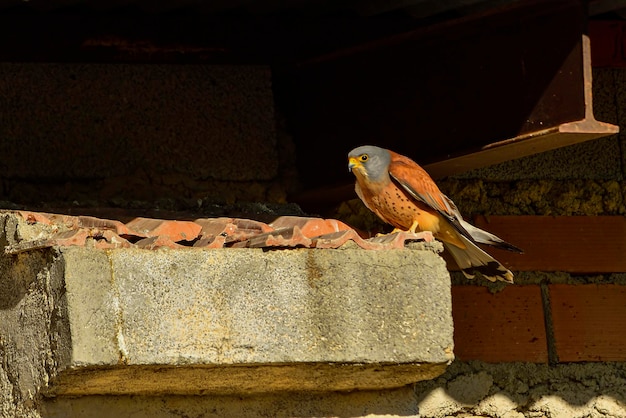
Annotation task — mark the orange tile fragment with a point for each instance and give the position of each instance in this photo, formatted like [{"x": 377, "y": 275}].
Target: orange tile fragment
[
  {"x": 34, "y": 217},
  {"x": 174, "y": 230},
  {"x": 310, "y": 227},
  {"x": 158, "y": 241}
]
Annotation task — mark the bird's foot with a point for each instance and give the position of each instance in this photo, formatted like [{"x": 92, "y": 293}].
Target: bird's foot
[
  {"x": 395, "y": 231},
  {"x": 427, "y": 236}
]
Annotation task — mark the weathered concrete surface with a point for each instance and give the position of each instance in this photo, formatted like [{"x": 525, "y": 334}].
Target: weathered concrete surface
[
  {"x": 34, "y": 338},
  {"x": 243, "y": 320}
]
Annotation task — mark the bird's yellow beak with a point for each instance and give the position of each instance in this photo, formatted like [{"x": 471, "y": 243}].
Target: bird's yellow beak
[{"x": 353, "y": 163}]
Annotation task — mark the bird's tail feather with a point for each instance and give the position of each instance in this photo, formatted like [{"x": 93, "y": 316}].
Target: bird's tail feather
[
  {"x": 488, "y": 238},
  {"x": 473, "y": 258}
]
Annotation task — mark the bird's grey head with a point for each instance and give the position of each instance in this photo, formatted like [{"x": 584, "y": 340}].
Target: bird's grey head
[{"x": 371, "y": 161}]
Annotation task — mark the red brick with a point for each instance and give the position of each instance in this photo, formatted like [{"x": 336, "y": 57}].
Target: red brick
[
  {"x": 575, "y": 244},
  {"x": 589, "y": 322},
  {"x": 506, "y": 326}
]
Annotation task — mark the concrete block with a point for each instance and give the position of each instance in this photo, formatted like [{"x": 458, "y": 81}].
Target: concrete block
[
  {"x": 86, "y": 321},
  {"x": 247, "y": 320}
]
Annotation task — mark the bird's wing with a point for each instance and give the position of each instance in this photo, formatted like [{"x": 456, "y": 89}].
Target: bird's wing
[
  {"x": 419, "y": 185},
  {"x": 487, "y": 238}
]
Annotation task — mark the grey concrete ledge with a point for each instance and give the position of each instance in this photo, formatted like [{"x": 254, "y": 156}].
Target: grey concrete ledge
[{"x": 228, "y": 321}]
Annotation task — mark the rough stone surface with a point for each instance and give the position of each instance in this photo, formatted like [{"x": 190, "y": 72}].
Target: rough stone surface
[
  {"x": 33, "y": 337},
  {"x": 517, "y": 390},
  {"x": 538, "y": 197},
  {"x": 507, "y": 390},
  {"x": 388, "y": 403}
]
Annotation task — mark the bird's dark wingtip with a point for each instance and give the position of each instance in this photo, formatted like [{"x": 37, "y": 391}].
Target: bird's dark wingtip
[{"x": 509, "y": 247}]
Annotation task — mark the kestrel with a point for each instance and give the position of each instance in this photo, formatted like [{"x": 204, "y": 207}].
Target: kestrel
[{"x": 402, "y": 194}]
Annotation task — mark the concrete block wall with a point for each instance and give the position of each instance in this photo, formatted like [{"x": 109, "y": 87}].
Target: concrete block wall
[{"x": 110, "y": 134}]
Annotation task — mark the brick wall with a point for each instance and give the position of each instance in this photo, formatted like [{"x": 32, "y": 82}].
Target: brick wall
[
  {"x": 551, "y": 344},
  {"x": 570, "y": 298}
]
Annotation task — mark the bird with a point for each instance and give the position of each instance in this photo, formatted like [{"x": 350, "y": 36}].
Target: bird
[{"x": 403, "y": 194}]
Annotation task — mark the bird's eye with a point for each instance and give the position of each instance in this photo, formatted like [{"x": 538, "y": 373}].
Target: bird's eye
[{"x": 364, "y": 157}]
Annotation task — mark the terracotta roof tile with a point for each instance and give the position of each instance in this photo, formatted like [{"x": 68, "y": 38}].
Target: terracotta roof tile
[
  {"x": 103, "y": 224},
  {"x": 148, "y": 233},
  {"x": 310, "y": 227},
  {"x": 158, "y": 241},
  {"x": 233, "y": 229},
  {"x": 284, "y": 237},
  {"x": 34, "y": 217},
  {"x": 110, "y": 239},
  {"x": 211, "y": 242},
  {"x": 175, "y": 230}
]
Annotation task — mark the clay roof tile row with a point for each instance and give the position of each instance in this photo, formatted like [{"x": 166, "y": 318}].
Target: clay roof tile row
[{"x": 223, "y": 232}]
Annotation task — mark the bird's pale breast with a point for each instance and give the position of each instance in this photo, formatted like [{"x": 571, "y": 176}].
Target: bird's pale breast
[{"x": 400, "y": 210}]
